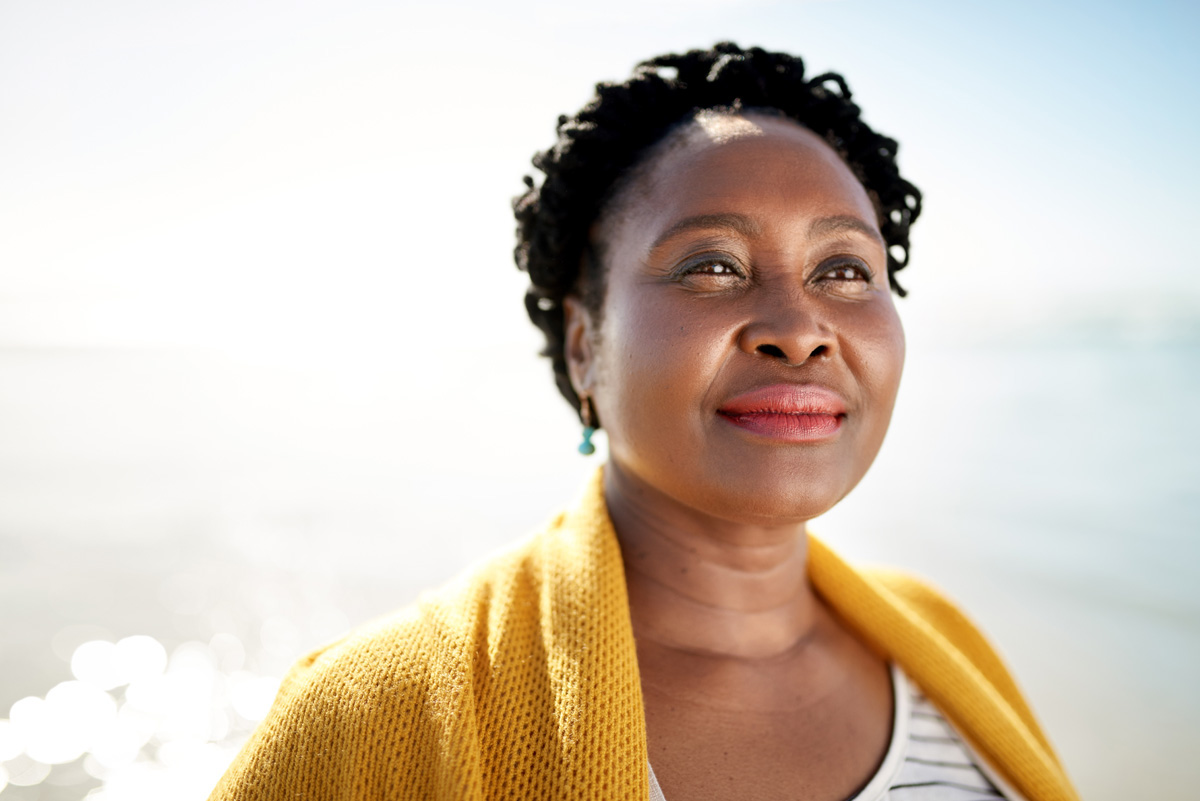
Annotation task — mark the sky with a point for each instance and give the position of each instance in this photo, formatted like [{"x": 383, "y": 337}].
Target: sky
[{"x": 305, "y": 179}]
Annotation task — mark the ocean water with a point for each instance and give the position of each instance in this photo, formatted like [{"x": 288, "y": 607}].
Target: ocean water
[
  {"x": 210, "y": 519},
  {"x": 1056, "y": 490}
]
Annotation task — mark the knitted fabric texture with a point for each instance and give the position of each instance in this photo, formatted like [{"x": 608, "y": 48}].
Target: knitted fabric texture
[{"x": 520, "y": 681}]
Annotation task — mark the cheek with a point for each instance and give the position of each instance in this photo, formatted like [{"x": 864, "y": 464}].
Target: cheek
[
  {"x": 656, "y": 363},
  {"x": 881, "y": 358}
]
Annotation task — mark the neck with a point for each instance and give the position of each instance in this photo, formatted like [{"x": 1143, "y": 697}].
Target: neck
[{"x": 710, "y": 586}]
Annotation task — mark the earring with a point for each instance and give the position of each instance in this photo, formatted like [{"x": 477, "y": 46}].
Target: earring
[{"x": 585, "y": 412}]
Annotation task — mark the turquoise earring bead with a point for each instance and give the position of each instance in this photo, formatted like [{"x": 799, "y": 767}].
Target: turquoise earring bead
[{"x": 586, "y": 447}]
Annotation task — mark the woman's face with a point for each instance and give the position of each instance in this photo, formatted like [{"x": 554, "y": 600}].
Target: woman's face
[{"x": 748, "y": 355}]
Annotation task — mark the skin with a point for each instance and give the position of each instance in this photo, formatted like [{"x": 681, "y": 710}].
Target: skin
[{"x": 743, "y": 254}]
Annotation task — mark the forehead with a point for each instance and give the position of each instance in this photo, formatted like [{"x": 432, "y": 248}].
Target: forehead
[{"x": 744, "y": 162}]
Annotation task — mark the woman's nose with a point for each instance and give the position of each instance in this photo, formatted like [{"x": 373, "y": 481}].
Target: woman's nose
[{"x": 790, "y": 333}]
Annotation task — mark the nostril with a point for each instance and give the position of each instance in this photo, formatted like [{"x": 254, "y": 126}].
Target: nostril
[
  {"x": 771, "y": 350},
  {"x": 819, "y": 350}
]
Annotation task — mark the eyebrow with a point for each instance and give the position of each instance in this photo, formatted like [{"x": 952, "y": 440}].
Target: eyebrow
[
  {"x": 843, "y": 223},
  {"x": 737, "y": 223},
  {"x": 743, "y": 225}
]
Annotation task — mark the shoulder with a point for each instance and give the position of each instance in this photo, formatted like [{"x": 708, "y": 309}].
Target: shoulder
[
  {"x": 931, "y": 604},
  {"x": 337, "y": 710},
  {"x": 945, "y": 617},
  {"x": 410, "y": 651},
  {"x": 936, "y": 610},
  {"x": 376, "y": 707}
]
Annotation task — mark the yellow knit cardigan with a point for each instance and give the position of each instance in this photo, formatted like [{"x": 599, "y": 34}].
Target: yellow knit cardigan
[{"x": 521, "y": 681}]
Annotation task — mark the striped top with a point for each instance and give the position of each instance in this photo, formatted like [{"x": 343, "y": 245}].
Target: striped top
[{"x": 925, "y": 761}]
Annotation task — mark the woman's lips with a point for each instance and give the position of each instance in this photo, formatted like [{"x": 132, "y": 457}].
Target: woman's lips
[{"x": 787, "y": 412}]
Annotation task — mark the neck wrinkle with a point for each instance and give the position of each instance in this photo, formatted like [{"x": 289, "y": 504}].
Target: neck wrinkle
[{"x": 710, "y": 587}]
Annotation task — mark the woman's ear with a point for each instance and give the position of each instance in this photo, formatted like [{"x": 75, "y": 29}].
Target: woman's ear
[{"x": 577, "y": 345}]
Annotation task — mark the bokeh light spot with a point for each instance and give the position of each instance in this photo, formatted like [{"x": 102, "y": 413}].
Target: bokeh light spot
[
  {"x": 10, "y": 743},
  {"x": 140, "y": 657},
  {"x": 26, "y": 772},
  {"x": 71, "y": 718},
  {"x": 252, "y": 696},
  {"x": 95, "y": 662}
]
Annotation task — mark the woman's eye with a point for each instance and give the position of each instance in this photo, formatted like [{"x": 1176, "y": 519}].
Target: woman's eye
[
  {"x": 714, "y": 267},
  {"x": 848, "y": 272}
]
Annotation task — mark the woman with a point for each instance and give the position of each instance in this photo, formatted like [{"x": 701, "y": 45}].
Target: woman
[{"x": 712, "y": 256}]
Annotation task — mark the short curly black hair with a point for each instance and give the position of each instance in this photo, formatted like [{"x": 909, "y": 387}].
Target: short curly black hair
[{"x": 599, "y": 145}]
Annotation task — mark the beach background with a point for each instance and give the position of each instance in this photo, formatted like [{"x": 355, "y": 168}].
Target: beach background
[{"x": 265, "y": 373}]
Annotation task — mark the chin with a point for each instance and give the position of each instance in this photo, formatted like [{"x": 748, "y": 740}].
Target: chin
[{"x": 779, "y": 498}]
